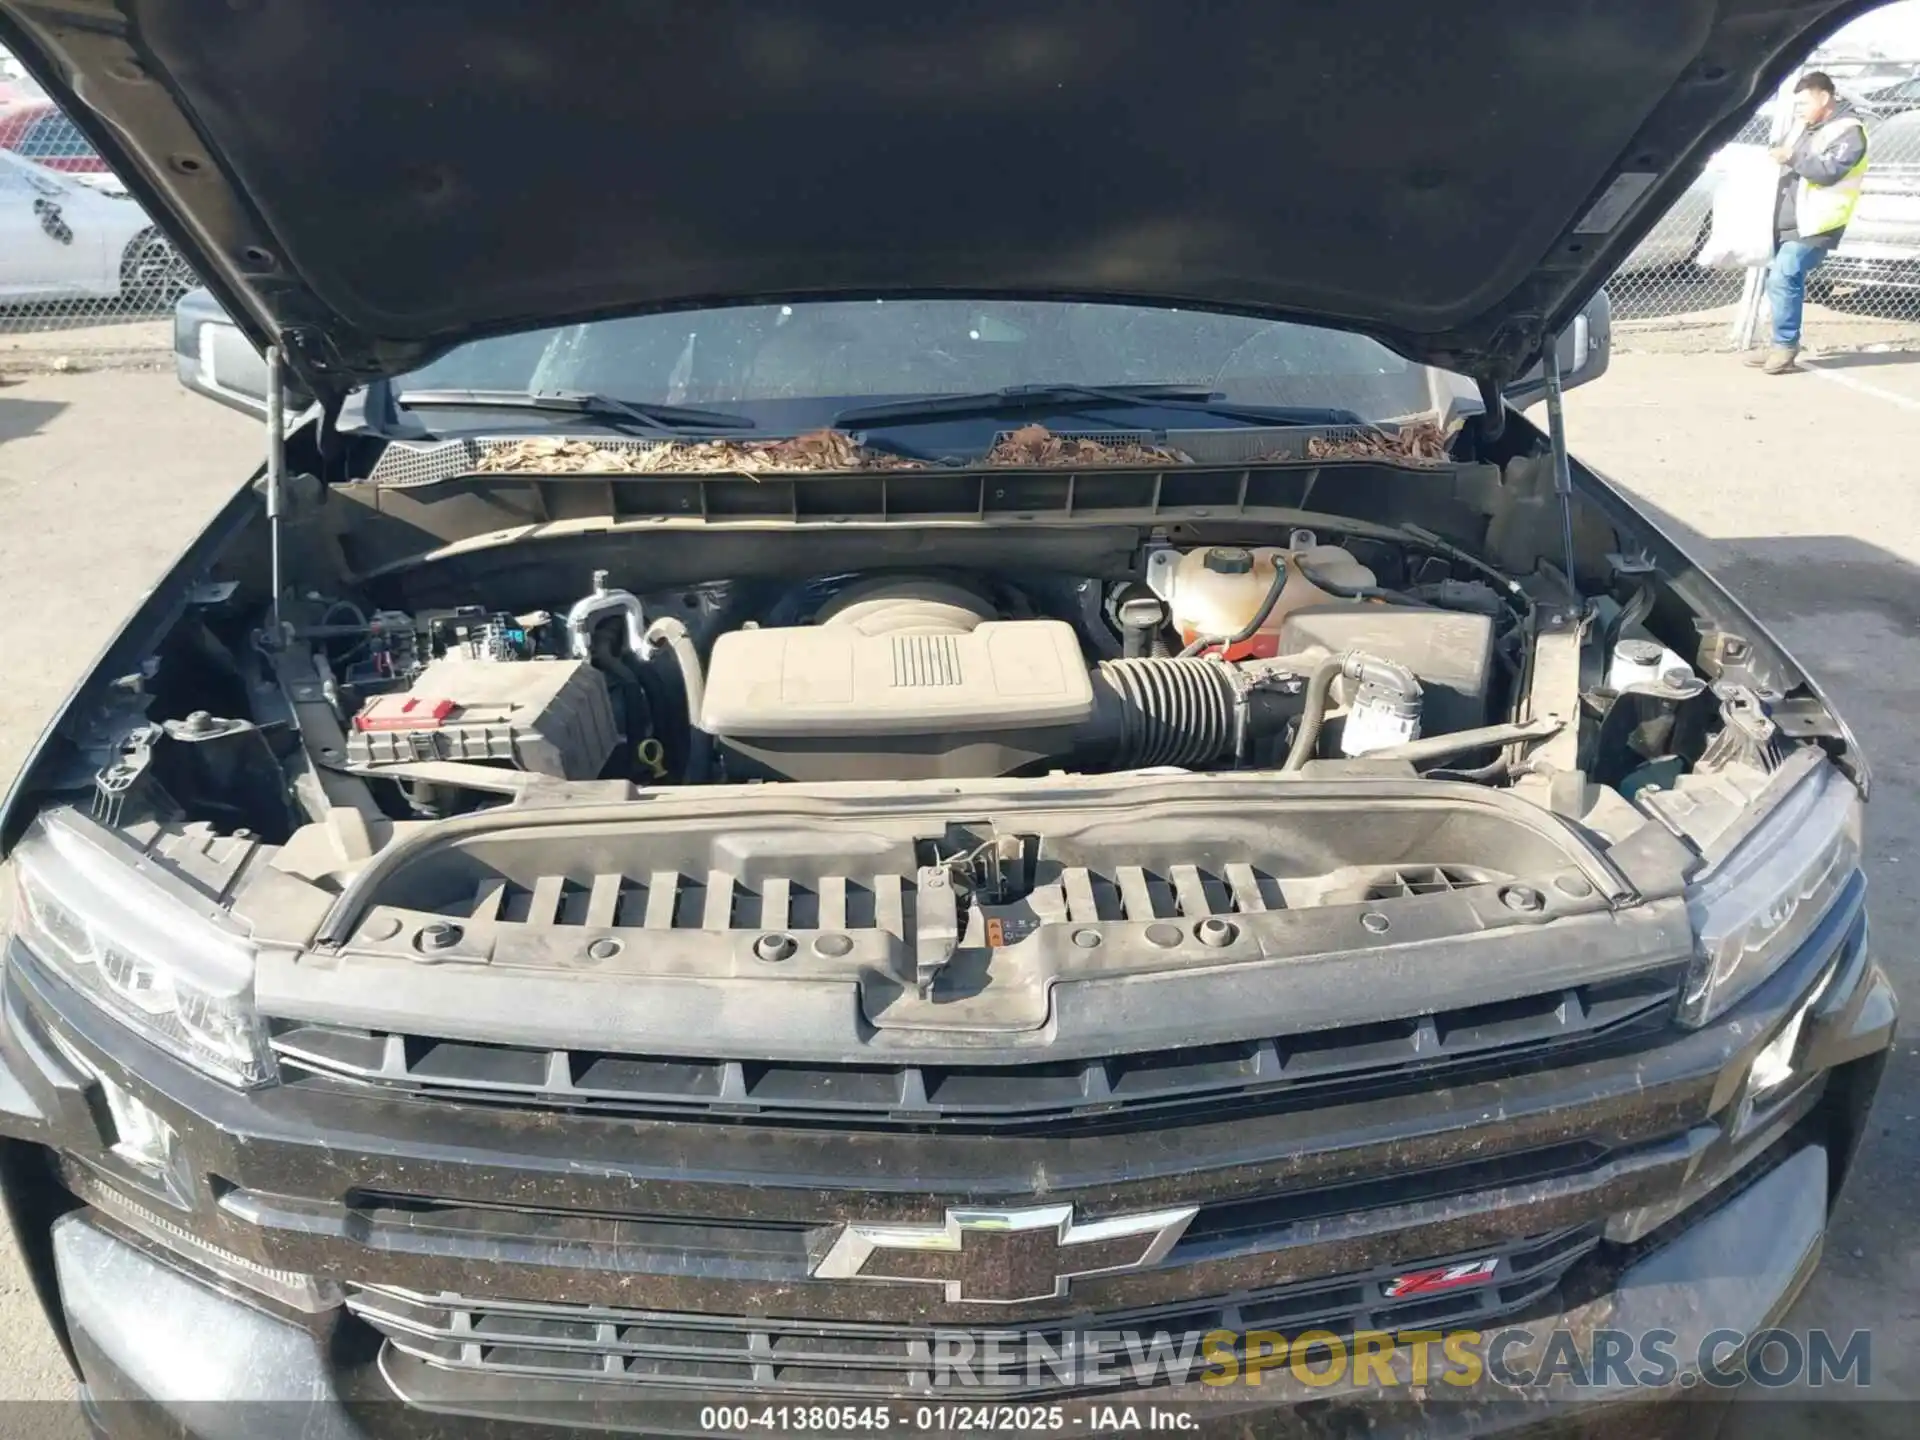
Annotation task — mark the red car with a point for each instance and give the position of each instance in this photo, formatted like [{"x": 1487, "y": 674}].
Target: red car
[{"x": 38, "y": 131}]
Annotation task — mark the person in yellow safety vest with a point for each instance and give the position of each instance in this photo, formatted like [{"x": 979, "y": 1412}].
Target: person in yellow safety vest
[{"x": 1825, "y": 160}]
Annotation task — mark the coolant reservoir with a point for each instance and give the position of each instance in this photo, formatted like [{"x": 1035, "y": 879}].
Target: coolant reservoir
[{"x": 1217, "y": 590}]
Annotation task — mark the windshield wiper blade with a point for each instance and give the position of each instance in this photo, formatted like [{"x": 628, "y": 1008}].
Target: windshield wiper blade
[
  {"x": 600, "y": 407},
  {"x": 1015, "y": 399}
]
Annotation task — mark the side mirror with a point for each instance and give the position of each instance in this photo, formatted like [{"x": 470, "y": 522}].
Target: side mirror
[
  {"x": 1585, "y": 348},
  {"x": 212, "y": 358}
]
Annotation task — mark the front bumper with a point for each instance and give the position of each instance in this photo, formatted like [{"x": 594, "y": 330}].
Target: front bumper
[
  {"x": 1651, "y": 1157},
  {"x": 161, "y": 1352},
  {"x": 1893, "y": 267}
]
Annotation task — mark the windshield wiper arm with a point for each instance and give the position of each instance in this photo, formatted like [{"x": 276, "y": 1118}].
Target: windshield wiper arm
[
  {"x": 1015, "y": 399},
  {"x": 600, "y": 407}
]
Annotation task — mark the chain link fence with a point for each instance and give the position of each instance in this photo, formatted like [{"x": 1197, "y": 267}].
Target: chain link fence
[
  {"x": 1867, "y": 293},
  {"x": 86, "y": 279},
  {"x": 85, "y": 276}
]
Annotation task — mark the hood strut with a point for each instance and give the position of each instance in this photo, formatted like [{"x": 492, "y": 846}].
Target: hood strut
[
  {"x": 276, "y": 470},
  {"x": 1562, "y": 467}
]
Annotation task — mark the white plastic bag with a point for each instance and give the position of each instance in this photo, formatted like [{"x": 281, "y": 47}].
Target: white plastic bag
[{"x": 1741, "y": 236}]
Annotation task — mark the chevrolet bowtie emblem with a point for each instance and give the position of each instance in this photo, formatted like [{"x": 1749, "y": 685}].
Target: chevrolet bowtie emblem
[{"x": 1002, "y": 1257}]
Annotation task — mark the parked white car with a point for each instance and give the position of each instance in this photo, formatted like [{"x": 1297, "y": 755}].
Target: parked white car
[
  {"x": 62, "y": 239},
  {"x": 1882, "y": 243}
]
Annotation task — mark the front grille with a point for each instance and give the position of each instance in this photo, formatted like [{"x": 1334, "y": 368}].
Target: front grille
[
  {"x": 486, "y": 1337},
  {"x": 1452, "y": 1042},
  {"x": 777, "y": 1242}
]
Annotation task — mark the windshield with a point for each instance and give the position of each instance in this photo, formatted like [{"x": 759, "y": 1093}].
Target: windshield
[{"x": 885, "y": 348}]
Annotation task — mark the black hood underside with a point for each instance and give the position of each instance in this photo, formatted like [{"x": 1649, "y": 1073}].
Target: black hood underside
[{"x": 373, "y": 182}]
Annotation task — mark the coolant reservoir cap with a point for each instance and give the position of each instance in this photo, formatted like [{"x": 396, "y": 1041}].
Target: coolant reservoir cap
[{"x": 1229, "y": 560}]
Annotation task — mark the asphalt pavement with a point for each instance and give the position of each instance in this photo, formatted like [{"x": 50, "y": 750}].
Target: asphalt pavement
[{"x": 1803, "y": 491}]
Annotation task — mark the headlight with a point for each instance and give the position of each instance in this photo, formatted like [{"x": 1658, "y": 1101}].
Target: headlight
[
  {"x": 1754, "y": 907},
  {"x": 177, "y": 972}
]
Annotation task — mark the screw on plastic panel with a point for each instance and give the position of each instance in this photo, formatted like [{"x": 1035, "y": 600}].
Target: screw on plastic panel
[
  {"x": 775, "y": 947},
  {"x": 439, "y": 935}
]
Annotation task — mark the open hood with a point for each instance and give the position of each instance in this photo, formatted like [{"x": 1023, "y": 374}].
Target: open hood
[{"x": 371, "y": 182}]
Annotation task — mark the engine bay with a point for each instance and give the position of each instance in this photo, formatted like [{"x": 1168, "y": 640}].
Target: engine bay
[
  {"x": 1208, "y": 660},
  {"x": 914, "y": 728},
  {"x": 1318, "y": 653}
]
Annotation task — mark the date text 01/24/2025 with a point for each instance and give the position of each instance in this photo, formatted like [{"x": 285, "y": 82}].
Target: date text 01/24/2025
[{"x": 957, "y": 1419}]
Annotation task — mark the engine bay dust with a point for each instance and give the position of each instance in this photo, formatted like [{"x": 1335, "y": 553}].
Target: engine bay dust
[
  {"x": 933, "y": 730},
  {"x": 1217, "y": 657},
  {"x": 1320, "y": 655}
]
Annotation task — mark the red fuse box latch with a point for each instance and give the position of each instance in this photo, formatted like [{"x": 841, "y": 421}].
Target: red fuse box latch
[{"x": 403, "y": 712}]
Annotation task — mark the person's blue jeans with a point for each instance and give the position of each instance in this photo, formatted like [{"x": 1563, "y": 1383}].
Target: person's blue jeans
[{"x": 1787, "y": 288}]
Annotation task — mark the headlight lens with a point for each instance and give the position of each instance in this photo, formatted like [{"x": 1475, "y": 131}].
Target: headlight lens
[
  {"x": 178, "y": 973},
  {"x": 1754, "y": 907}
]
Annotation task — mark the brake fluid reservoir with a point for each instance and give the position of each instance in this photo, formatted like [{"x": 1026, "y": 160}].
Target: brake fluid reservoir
[{"x": 1217, "y": 590}]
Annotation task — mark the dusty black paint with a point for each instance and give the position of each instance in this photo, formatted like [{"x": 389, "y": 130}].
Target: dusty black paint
[
  {"x": 726, "y": 1218},
  {"x": 370, "y": 183}
]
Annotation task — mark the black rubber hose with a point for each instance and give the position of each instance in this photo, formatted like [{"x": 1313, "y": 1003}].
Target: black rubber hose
[
  {"x": 670, "y": 632},
  {"x": 1358, "y": 665},
  {"x": 1314, "y": 713},
  {"x": 1358, "y": 592},
  {"x": 1507, "y": 585},
  {"x": 1639, "y": 605},
  {"x": 1246, "y": 632}
]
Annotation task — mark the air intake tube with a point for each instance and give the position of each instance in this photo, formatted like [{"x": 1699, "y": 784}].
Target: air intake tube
[
  {"x": 1164, "y": 712},
  {"x": 1178, "y": 711}
]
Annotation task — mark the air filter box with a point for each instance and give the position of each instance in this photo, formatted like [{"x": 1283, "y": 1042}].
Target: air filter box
[
  {"x": 833, "y": 703},
  {"x": 1449, "y": 651}
]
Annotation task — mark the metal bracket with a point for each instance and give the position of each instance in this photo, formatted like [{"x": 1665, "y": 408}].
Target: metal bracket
[
  {"x": 1553, "y": 689},
  {"x": 1162, "y": 561}
]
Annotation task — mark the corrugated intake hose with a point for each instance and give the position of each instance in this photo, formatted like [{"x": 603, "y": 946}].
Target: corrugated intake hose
[{"x": 1167, "y": 711}]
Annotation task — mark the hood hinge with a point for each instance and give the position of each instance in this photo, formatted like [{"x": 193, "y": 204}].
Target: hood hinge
[{"x": 1493, "y": 409}]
